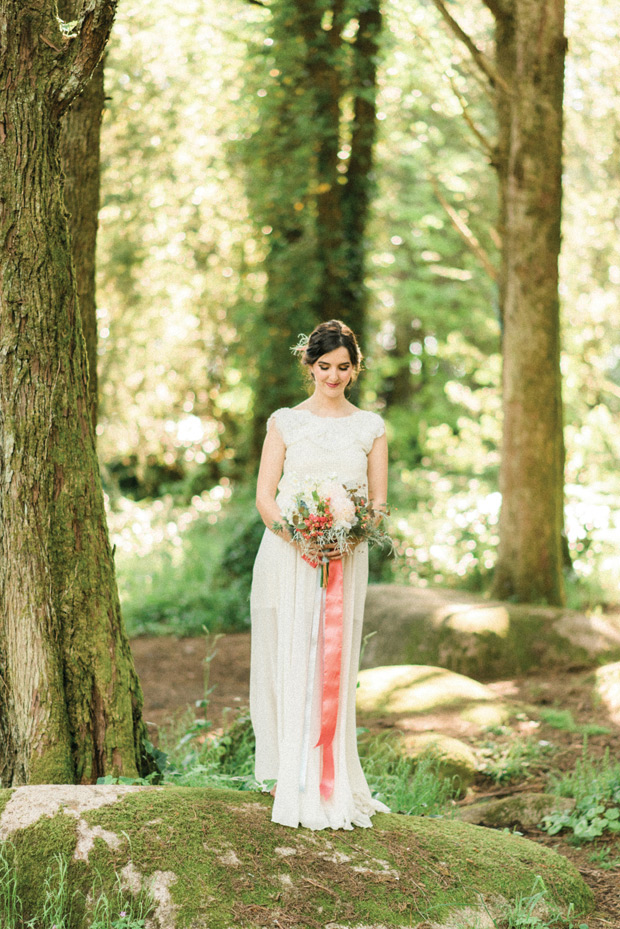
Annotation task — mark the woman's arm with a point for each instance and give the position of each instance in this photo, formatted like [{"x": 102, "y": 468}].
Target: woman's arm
[
  {"x": 378, "y": 472},
  {"x": 269, "y": 474}
]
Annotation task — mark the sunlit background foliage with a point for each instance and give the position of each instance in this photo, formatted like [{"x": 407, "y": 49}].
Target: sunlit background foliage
[{"x": 182, "y": 288}]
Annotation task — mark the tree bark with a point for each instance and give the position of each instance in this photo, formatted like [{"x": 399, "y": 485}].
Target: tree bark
[
  {"x": 70, "y": 701},
  {"x": 530, "y": 53},
  {"x": 79, "y": 157}
]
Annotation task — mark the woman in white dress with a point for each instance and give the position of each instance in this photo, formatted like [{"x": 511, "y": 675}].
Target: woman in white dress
[{"x": 325, "y": 436}]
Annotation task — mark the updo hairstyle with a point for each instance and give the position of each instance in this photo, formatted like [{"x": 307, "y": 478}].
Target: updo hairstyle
[{"x": 324, "y": 339}]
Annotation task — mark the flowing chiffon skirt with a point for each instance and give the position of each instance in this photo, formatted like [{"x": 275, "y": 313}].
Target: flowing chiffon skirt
[{"x": 284, "y": 590}]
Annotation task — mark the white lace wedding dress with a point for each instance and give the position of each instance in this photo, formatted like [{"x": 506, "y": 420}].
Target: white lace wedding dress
[{"x": 282, "y": 604}]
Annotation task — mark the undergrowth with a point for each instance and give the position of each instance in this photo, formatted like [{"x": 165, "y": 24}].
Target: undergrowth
[
  {"x": 193, "y": 752},
  {"x": 406, "y": 785},
  {"x": 537, "y": 910},
  {"x": 504, "y": 762},
  {"x": 120, "y": 911},
  {"x": 594, "y": 784},
  {"x": 563, "y": 720}
]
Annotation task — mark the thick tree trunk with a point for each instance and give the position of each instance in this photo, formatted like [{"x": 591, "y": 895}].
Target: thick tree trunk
[
  {"x": 530, "y": 59},
  {"x": 79, "y": 157},
  {"x": 70, "y": 701}
]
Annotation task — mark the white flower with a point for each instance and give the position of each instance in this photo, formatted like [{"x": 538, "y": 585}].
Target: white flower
[{"x": 340, "y": 504}]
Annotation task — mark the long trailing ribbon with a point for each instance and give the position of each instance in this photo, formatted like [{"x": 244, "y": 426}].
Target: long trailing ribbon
[
  {"x": 332, "y": 655},
  {"x": 317, "y": 615}
]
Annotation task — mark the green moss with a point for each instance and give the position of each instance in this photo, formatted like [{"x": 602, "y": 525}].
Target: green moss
[
  {"x": 54, "y": 766},
  {"x": 450, "y": 863},
  {"x": 5, "y": 796},
  {"x": 235, "y": 867},
  {"x": 35, "y": 849}
]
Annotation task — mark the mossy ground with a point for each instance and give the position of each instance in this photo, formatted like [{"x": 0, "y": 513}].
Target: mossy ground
[{"x": 234, "y": 867}]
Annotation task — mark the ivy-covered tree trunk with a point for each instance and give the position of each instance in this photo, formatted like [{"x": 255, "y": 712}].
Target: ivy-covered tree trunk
[
  {"x": 79, "y": 158},
  {"x": 357, "y": 192},
  {"x": 310, "y": 167},
  {"x": 530, "y": 53},
  {"x": 70, "y": 700}
]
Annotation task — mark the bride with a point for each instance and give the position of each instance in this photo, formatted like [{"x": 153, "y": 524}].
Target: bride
[{"x": 326, "y": 436}]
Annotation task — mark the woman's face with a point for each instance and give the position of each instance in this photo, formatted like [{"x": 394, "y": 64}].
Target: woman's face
[{"x": 332, "y": 372}]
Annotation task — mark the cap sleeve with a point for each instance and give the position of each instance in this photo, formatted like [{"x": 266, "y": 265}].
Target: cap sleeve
[
  {"x": 372, "y": 429},
  {"x": 284, "y": 424}
]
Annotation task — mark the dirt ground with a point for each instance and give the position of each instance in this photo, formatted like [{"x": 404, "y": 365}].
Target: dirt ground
[{"x": 172, "y": 673}]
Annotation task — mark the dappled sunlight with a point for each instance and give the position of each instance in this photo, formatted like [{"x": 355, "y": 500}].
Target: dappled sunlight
[
  {"x": 479, "y": 619},
  {"x": 138, "y": 527},
  {"x": 416, "y": 689},
  {"x": 607, "y": 689},
  {"x": 486, "y": 715}
]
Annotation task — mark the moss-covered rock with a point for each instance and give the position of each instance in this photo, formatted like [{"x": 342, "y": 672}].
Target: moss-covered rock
[
  {"x": 404, "y": 691},
  {"x": 484, "y": 639},
  {"x": 214, "y": 859},
  {"x": 524, "y": 810},
  {"x": 454, "y": 759}
]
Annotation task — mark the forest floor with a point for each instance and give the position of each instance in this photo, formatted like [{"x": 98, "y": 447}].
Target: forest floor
[{"x": 172, "y": 673}]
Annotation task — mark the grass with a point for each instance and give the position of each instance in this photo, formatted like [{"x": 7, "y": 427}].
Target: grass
[
  {"x": 603, "y": 859},
  {"x": 122, "y": 911},
  {"x": 590, "y": 777},
  {"x": 512, "y": 761},
  {"x": 537, "y": 910},
  {"x": 406, "y": 786},
  {"x": 564, "y": 721}
]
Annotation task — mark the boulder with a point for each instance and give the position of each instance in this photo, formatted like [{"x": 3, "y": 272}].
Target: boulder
[
  {"x": 400, "y": 692},
  {"x": 484, "y": 639},
  {"x": 212, "y": 859},
  {"x": 523, "y": 810},
  {"x": 454, "y": 759},
  {"x": 607, "y": 689}
]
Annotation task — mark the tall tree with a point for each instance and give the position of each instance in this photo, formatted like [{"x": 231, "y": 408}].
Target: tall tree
[
  {"x": 310, "y": 166},
  {"x": 70, "y": 701},
  {"x": 527, "y": 78}
]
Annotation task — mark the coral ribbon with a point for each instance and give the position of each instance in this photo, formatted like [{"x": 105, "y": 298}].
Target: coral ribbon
[{"x": 332, "y": 655}]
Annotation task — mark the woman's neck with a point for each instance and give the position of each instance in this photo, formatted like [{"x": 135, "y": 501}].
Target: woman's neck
[{"x": 323, "y": 406}]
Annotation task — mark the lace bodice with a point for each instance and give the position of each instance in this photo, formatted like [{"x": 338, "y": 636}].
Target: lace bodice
[{"x": 321, "y": 446}]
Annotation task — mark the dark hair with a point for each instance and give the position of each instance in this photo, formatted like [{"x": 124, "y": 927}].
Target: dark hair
[{"x": 325, "y": 338}]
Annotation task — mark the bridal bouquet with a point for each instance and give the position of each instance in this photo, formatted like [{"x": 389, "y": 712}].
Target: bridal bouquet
[{"x": 326, "y": 512}]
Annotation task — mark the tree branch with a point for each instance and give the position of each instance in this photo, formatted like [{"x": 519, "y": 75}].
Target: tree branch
[
  {"x": 479, "y": 57},
  {"x": 486, "y": 144},
  {"x": 465, "y": 232},
  {"x": 84, "y": 48},
  {"x": 499, "y": 8}
]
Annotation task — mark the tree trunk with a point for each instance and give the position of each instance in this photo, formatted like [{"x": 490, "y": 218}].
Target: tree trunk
[
  {"x": 530, "y": 52},
  {"x": 70, "y": 701},
  {"x": 79, "y": 156},
  {"x": 357, "y": 192},
  {"x": 315, "y": 201}
]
